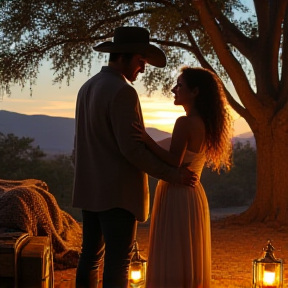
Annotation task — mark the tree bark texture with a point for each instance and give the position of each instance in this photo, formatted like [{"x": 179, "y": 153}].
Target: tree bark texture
[{"x": 271, "y": 201}]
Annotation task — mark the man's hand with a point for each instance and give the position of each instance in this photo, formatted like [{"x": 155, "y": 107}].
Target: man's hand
[{"x": 188, "y": 177}]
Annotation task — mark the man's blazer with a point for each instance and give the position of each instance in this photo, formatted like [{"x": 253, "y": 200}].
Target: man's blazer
[{"x": 110, "y": 165}]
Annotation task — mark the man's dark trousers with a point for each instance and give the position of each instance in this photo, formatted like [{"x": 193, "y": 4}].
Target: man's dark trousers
[{"x": 110, "y": 234}]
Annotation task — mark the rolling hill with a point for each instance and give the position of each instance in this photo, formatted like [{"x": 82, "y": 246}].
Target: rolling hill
[{"x": 54, "y": 135}]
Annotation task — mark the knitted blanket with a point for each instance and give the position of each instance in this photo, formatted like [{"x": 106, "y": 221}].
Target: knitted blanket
[{"x": 27, "y": 205}]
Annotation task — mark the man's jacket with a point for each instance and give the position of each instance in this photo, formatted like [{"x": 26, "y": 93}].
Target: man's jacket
[{"x": 110, "y": 165}]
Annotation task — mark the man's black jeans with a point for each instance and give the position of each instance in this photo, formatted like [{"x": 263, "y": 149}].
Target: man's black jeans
[{"x": 110, "y": 234}]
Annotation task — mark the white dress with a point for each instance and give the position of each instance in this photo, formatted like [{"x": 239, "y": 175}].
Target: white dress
[{"x": 180, "y": 241}]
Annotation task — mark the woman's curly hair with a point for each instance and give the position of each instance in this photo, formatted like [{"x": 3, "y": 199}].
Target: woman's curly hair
[{"x": 212, "y": 107}]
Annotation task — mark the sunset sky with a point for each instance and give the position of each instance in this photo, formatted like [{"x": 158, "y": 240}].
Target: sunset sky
[{"x": 48, "y": 99}]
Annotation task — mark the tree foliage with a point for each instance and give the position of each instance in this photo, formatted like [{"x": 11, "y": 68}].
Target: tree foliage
[
  {"x": 63, "y": 32},
  {"x": 20, "y": 159},
  {"x": 236, "y": 187},
  {"x": 60, "y": 31}
]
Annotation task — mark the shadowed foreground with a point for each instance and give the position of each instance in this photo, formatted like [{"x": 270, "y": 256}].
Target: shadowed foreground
[{"x": 233, "y": 250}]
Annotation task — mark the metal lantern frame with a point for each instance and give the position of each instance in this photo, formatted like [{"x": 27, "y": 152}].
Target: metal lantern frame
[
  {"x": 138, "y": 267},
  {"x": 268, "y": 270}
]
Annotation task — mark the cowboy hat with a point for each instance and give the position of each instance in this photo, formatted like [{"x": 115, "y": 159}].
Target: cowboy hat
[{"x": 133, "y": 40}]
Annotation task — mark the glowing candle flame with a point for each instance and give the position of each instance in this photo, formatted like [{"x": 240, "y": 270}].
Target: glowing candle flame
[
  {"x": 269, "y": 278},
  {"x": 136, "y": 275}
]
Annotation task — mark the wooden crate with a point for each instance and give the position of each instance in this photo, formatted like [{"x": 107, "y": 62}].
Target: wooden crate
[
  {"x": 11, "y": 244},
  {"x": 36, "y": 263}
]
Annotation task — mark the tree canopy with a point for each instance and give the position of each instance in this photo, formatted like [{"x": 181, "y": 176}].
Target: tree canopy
[
  {"x": 18, "y": 156},
  {"x": 64, "y": 32}
]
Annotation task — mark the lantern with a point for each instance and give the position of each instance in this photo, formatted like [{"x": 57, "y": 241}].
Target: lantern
[
  {"x": 137, "y": 270},
  {"x": 268, "y": 271}
]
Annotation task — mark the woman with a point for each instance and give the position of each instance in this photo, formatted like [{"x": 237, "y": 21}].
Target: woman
[{"x": 179, "y": 242}]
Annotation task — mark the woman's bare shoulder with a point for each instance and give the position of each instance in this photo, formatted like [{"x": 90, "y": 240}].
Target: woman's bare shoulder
[{"x": 193, "y": 122}]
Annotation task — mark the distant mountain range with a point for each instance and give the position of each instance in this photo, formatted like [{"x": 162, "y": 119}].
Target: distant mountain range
[
  {"x": 244, "y": 138},
  {"x": 55, "y": 135}
]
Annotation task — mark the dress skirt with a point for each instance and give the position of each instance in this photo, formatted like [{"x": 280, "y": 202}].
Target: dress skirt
[{"x": 180, "y": 240}]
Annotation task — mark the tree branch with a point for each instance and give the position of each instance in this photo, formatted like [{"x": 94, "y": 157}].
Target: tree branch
[
  {"x": 277, "y": 13},
  {"x": 226, "y": 58},
  {"x": 262, "y": 12},
  {"x": 172, "y": 44},
  {"x": 283, "y": 89},
  {"x": 197, "y": 52},
  {"x": 270, "y": 16},
  {"x": 233, "y": 35},
  {"x": 194, "y": 48},
  {"x": 241, "y": 110}
]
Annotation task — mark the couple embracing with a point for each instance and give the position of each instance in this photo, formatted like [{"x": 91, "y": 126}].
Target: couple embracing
[{"x": 113, "y": 153}]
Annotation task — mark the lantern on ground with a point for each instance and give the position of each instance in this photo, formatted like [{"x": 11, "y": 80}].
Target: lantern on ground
[
  {"x": 268, "y": 270},
  {"x": 137, "y": 270}
]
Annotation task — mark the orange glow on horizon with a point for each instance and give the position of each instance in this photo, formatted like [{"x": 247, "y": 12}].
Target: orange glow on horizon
[
  {"x": 161, "y": 113},
  {"x": 158, "y": 111}
]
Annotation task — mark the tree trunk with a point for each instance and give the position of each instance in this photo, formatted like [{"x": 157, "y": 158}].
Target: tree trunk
[{"x": 270, "y": 205}]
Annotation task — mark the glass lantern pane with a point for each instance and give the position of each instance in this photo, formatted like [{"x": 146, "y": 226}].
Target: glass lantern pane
[
  {"x": 137, "y": 272},
  {"x": 267, "y": 275}
]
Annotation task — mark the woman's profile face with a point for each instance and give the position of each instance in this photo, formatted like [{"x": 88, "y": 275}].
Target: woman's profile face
[{"x": 182, "y": 94}]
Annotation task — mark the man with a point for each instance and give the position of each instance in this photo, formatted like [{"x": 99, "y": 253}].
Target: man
[{"x": 110, "y": 185}]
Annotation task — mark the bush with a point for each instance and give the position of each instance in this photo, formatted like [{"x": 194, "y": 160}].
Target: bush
[{"x": 236, "y": 187}]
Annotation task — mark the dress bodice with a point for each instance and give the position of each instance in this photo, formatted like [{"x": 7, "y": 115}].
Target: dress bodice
[{"x": 196, "y": 160}]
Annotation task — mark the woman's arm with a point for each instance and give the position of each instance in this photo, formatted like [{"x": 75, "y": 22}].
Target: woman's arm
[{"x": 179, "y": 140}]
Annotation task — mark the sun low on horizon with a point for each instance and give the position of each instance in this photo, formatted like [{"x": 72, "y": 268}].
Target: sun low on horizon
[{"x": 161, "y": 113}]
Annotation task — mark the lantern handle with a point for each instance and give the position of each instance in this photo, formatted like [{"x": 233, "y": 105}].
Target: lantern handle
[{"x": 268, "y": 254}]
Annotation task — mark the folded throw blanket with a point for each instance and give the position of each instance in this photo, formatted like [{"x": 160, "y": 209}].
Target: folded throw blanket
[{"x": 28, "y": 206}]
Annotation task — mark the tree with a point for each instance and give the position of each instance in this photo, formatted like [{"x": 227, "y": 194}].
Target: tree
[
  {"x": 18, "y": 157},
  {"x": 58, "y": 172},
  {"x": 236, "y": 187},
  {"x": 252, "y": 53}
]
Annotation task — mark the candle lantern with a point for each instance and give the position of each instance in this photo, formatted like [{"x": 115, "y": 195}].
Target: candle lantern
[
  {"x": 137, "y": 270},
  {"x": 268, "y": 270}
]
